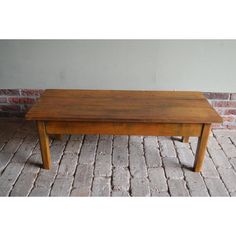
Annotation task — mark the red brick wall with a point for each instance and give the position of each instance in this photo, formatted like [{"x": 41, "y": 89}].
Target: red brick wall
[
  {"x": 225, "y": 105},
  {"x": 15, "y": 102}
]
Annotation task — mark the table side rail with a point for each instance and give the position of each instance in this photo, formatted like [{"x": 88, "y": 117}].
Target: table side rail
[{"x": 119, "y": 128}]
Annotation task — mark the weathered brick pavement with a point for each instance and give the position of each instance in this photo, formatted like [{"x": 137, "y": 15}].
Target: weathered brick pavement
[{"x": 92, "y": 165}]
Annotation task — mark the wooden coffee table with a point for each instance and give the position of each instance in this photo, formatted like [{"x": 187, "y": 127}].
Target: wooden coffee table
[{"x": 158, "y": 113}]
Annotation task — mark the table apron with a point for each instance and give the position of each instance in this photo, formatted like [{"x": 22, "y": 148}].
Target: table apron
[{"x": 122, "y": 128}]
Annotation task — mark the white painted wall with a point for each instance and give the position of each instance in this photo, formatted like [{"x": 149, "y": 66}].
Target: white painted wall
[{"x": 206, "y": 65}]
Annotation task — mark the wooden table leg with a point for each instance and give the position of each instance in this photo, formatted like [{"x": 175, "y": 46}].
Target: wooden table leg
[
  {"x": 201, "y": 147},
  {"x": 185, "y": 139},
  {"x": 44, "y": 145}
]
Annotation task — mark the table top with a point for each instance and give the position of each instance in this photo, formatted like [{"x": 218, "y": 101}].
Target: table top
[{"x": 123, "y": 106}]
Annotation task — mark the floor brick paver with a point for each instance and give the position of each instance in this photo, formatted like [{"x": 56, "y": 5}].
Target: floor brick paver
[
  {"x": 5, "y": 158},
  {"x": 219, "y": 158},
  {"x": 83, "y": 180},
  {"x": 233, "y": 194},
  {"x": 158, "y": 181},
  {"x": 24, "y": 184},
  {"x": 12, "y": 145},
  {"x": 43, "y": 182},
  {"x": 88, "y": 149},
  {"x": 160, "y": 194},
  {"x": 62, "y": 186},
  {"x": 101, "y": 187},
  {"x": 118, "y": 193},
  {"x": 140, "y": 187},
  {"x": 186, "y": 157},
  {"x": 233, "y": 162},
  {"x": 121, "y": 179},
  {"x": 172, "y": 168},
  {"x": 120, "y": 151},
  {"x": 195, "y": 184},
  {"x": 118, "y": 166},
  {"x": 229, "y": 178},
  {"x": 209, "y": 169},
  {"x": 103, "y": 165},
  {"x": 216, "y": 187},
  {"x": 167, "y": 147},
  {"x": 178, "y": 188},
  {"x": 138, "y": 166},
  {"x": 9, "y": 177},
  {"x": 68, "y": 164},
  {"x": 152, "y": 154}
]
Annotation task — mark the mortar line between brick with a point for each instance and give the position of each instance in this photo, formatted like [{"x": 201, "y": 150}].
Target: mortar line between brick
[
  {"x": 162, "y": 165},
  {"x": 145, "y": 160},
  {"x": 112, "y": 168},
  {"x": 3, "y": 146},
  {"x": 33, "y": 184},
  {"x": 234, "y": 144},
  {"x": 95, "y": 158},
  {"x": 232, "y": 141},
  {"x": 77, "y": 164},
  {"x": 128, "y": 153}
]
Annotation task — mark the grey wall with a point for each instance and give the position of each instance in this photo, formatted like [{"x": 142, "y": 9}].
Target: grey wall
[{"x": 206, "y": 65}]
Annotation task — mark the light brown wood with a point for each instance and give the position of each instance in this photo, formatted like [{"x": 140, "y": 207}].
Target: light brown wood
[
  {"x": 185, "y": 139},
  {"x": 76, "y": 93},
  {"x": 115, "y": 128},
  {"x": 44, "y": 144},
  {"x": 123, "y": 106},
  {"x": 158, "y": 113},
  {"x": 201, "y": 147}
]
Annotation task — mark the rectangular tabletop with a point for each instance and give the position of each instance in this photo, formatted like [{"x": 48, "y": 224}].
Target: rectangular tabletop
[{"x": 123, "y": 106}]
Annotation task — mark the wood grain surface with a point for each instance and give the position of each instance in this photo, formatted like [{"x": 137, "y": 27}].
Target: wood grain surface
[{"x": 123, "y": 106}]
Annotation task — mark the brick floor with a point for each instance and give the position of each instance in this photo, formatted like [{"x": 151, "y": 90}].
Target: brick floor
[{"x": 92, "y": 165}]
